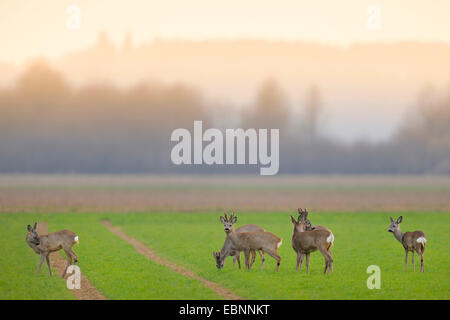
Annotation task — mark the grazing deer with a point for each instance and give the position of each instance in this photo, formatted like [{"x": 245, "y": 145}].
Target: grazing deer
[
  {"x": 411, "y": 241},
  {"x": 229, "y": 250},
  {"x": 304, "y": 242},
  {"x": 45, "y": 244},
  {"x": 247, "y": 241}
]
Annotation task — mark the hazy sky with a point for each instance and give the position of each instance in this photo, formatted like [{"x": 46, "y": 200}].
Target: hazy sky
[{"x": 38, "y": 27}]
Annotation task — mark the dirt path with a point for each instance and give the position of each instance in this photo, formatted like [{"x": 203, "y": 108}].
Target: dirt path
[
  {"x": 87, "y": 290},
  {"x": 149, "y": 253}
]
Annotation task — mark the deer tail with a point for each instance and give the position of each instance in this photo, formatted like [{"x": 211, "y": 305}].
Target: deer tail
[
  {"x": 330, "y": 239},
  {"x": 279, "y": 243},
  {"x": 75, "y": 239},
  {"x": 422, "y": 241}
]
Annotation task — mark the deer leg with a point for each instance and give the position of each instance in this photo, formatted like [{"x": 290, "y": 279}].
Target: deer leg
[
  {"x": 247, "y": 259},
  {"x": 302, "y": 257},
  {"x": 276, "y": 257},
  {"x": 299, "y": 258},
  {"x": 327, "y": 258},
  {"x": 237, "y": 257},
  {"x": 253, "y": 257},
  {"x": 262, "y": 259},
  {"x": 40, "y": 263},
  {"x": 261, "y": 254},
  {"x": 420, "y": 253},
  {"x": 74, "y": 256},
  {"x": 421, "y": 263},
  {"x": 69, "y": 260},
  {"x": 307, "y": 263},
  {"x": 330, "y": 262},
  {"x": 412, "y": 261},
  {"x": 47, "y": 258},
  {"x": 406, "y": 258}
]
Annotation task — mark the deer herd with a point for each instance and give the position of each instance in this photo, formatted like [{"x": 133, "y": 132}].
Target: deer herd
[
  {"x": 249, "y": 239},
  {"x": 306, "y": 238}
]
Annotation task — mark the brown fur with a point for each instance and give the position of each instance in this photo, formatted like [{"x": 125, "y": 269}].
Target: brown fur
[
  {"x": 409, "y": 242},
  {"x": 229, "y": 250},
  {"x": 45, "y": 244},
  {"x": 304, "y": 242},
  {"x": 247, "y": 241}
]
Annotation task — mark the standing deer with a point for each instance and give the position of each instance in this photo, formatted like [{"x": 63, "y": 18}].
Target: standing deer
[
  {"x": 229, "y": 250},
  {"x": 303, "y": 214},
  {"x": 45, "y": 244},
  {"x": 304, "y": 242},
  {"x": 247, "y": 241},
  {"x": 411, "y": 241}
]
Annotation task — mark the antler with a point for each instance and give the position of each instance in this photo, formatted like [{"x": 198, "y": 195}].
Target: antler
[{"x": 302, "y": 214}]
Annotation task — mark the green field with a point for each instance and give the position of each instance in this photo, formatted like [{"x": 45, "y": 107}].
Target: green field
[{"x": 115, "y": 268}]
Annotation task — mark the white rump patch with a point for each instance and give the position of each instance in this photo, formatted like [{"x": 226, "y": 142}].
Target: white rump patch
[
  {"x": 422, "y": 240},
  {"x": 330, "y": 238},
  {"x": 279, "y": 243},
  {"x": 76, "y": 239}
]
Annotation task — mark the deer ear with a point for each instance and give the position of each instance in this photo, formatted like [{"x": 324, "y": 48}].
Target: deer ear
[
  {"x": 392, "y": 220},
  {"x": 222, "y": 219},
  {"x": 35, "y": 226},
  {"x": 293, "y": 220},
  {"x": 400, "y": 219},
  {"x": 234, "y": 219},
  {"x": 29, "y": 228}
]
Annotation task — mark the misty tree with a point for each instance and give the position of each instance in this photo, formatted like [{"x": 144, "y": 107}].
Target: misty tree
[
  {"x": 270, "y": 108},
  {"x": 312, "y": 113}
]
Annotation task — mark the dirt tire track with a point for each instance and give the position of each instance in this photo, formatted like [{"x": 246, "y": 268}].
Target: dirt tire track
[
  {"x": 152, "y": 255},
  {"x": 87, "y": 290}
]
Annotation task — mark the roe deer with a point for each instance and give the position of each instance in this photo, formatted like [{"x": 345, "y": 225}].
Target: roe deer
[
  {"x": 411, "y": 241},
  {"x": 229, "y": 250},
  {"x": 303, "y": 214},
  {"x": 246, "y": 241},
  {"x": 305, "y": 242},
  {"x": 45, "y": 244}
]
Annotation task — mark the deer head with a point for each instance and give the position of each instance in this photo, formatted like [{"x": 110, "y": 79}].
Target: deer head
[
  {"x": 219, "y": 262},
  {"x": 299, "y": 225},
  {"x": 395, "y": 225},
  {"x": 32, "y": 235},
  {"x": 303, "y": 216},
  {"x": 228, "y": 222}
]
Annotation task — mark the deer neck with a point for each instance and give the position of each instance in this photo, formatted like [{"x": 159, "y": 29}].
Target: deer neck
[
  {"x": 226, "y": 248},
  {"x": 233, "y": 236},
  {"x": 398, "y": 234}
]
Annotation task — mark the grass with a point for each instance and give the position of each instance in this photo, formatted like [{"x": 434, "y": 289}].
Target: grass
[
  {"x": 112, "y": 265},
  {"x": 119, "y": 272},
  {"x": 361, "y": 239}
]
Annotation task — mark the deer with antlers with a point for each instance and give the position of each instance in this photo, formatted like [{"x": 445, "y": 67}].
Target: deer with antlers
[
  {"x": 229, "y": 250},
  {"x": 263, "y": 241},
  {"x": 306, "y": 241}
]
